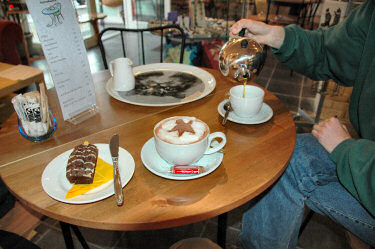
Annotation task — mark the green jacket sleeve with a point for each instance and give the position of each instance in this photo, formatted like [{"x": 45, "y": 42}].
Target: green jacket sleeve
[
  {"x": 355, "y": 161},
  {"x": 332, "y": 53}
]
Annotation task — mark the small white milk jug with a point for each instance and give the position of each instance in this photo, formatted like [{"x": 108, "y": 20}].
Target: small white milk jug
[{"x": 122, "y": 74}]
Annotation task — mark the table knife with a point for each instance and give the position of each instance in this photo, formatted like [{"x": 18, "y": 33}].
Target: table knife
[{"x": 114, "y": 147}]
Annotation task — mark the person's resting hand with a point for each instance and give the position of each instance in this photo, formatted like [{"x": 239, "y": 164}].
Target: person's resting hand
[
  {"x": 262, "y": 33},
  {"x": 330, "y": 133}
]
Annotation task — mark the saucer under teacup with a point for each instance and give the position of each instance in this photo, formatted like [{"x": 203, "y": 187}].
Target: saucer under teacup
[
  {"x": 262, "y": 116},
  {"x": 154, "y": 163}
]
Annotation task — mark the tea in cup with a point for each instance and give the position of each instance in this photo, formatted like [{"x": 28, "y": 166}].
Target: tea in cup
[
  {"x": 183, "y": 140},
  {"x": 122, "y": 74},
  {"x": 246, "y": 100}
]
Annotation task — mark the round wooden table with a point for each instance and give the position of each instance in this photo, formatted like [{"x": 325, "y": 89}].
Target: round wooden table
[{"x": 255, "y": 156}]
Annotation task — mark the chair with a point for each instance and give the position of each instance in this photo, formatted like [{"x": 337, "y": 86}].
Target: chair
[
  {"x": 16, "y": 11},
  {"x": 162, "y": 31},
  {"x": 10, "y": 35}
]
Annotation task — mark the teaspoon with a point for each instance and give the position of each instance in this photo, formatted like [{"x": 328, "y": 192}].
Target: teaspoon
[{"x": 227, "y": 108}]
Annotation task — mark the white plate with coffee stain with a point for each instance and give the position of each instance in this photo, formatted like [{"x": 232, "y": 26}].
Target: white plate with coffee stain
[
  {"x": 165, "y": 84},
  {"x": 262, "y": 116},
  {"x": 56, "y": 185},
  {"x": 154, "y": 163}
]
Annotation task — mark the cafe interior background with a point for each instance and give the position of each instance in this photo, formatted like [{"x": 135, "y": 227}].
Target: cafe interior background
[{"x": 205, "y": 38}]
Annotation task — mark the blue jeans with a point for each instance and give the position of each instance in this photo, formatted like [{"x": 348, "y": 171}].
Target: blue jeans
[{"x": 310, "y": 179}]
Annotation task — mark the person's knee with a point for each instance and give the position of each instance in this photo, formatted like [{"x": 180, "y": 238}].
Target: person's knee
[{"x": 310, "y": 165}]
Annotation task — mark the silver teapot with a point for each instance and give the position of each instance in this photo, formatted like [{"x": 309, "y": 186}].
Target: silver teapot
[{"x": 241, "y": 58}]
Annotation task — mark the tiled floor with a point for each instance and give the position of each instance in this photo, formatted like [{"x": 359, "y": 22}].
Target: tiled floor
[{"x": 321, "y": 233}]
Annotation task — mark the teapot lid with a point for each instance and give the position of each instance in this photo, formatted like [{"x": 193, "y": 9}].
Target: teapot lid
[{"x": 241, "y": 58}]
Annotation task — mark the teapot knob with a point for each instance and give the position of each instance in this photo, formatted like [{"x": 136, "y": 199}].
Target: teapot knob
[{"x": 244, "y": 43}]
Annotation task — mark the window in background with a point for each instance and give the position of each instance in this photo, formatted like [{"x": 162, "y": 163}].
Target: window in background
[
  {"x": 113, "y": 9},
  {"x": 139, "y": 12},
  {"x": 82, "y": 8}
]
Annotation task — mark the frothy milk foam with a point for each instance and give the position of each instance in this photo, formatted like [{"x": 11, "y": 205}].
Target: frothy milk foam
[{"x": 165, "y": 133}]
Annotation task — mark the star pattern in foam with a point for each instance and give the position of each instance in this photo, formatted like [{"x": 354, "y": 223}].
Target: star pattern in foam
[{"x": 182, "y": 127}]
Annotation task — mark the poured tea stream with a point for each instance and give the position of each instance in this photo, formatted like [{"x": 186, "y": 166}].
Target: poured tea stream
[{"x": 244, "y": 87}]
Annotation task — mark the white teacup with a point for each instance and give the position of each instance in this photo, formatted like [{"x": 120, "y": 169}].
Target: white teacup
[
  {"x": 122, "y": 74},
  {"x": 248, "y": 105},
  {"x": 189, "y": 147}
]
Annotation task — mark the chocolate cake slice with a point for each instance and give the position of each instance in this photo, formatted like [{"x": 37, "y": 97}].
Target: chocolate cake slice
[{"x": 81, "y": 164}]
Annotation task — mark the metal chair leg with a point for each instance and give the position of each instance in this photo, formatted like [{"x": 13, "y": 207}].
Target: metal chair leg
[
  {"x": 65, "y": 228},
  {"x": 67, "y": 235},
  {"x": 222, "y": 230},
  {"x": 80, "y": 237}
]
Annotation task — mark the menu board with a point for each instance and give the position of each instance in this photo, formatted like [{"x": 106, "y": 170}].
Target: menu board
[{"x": 58, "y": 30}]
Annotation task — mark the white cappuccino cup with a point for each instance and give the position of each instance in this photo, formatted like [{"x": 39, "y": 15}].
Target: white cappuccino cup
[
  {"x": 189, "y": 146},
  {"x": 246, "y": 102}
]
